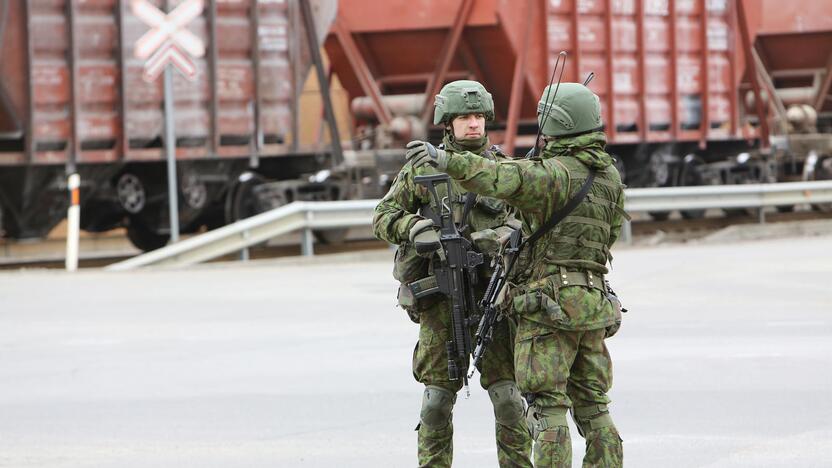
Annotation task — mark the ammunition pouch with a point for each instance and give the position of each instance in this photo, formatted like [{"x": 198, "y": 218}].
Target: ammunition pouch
[
  {"x": 408, "y": 303},
  {"x": 414, "y": 305},
  {"x": 408, "y": 266},
  {"x": 536, "y": 312}
]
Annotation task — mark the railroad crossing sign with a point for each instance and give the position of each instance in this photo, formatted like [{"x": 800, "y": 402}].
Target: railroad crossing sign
[{"x": 168, "y": 41}]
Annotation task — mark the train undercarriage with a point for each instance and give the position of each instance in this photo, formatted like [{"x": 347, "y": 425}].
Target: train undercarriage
[{"x": 212, "y": 193}]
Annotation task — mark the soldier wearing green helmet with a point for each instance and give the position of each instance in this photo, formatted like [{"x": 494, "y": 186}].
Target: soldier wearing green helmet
[
  {"x": 462, "y": 107},
  {"x": 562, "y": 306},
  {"x": 462, "y": 97}
]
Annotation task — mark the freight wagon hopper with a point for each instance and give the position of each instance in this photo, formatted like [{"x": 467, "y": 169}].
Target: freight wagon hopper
[
  {"x": 791, "y": 80},
  {"x": 669, "y": 73},
  {"x": 73, "y": 99},
  {"x": 658, "y": 85}
]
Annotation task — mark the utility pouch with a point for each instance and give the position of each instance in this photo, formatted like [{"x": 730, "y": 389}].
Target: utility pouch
[
  {"x": 408, "y": 303},
  {"x": 617, "y": 307},
  {"x": 490, "y": 205},
  {"x": 408, "y": 266},
  {"x": 537, "y": 305}
]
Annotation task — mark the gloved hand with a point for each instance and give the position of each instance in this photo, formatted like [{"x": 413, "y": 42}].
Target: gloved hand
[
  {"x": 486, "y": 241},
  {"x": 490, "y": 241},
  {"x": 424, "y": 235},
  {"x": 420, "y": 153}
]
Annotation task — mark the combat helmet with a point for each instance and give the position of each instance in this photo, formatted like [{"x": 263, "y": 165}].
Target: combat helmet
[
  {"x": 462, "y": 97},
  {"x": 574, "y": 110}
]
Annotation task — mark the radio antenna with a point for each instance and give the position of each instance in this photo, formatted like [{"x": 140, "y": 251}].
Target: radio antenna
[
  {"x": 589, "y": 78},
  {"x": 546, "y": 103}
]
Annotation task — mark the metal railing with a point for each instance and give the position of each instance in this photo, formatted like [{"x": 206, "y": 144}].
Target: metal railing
[
  {"x": 305, "y": 216},
  {"x": 728, "y": 196},
  {"x": 755, "y": 196},
  {"x": 309, "y": 216}
]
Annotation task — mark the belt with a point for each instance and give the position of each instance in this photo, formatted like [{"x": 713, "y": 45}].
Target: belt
[{"x": 586, "y": 278}]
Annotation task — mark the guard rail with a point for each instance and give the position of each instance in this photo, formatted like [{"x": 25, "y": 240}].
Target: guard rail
[{"x": 309, "y": 216}]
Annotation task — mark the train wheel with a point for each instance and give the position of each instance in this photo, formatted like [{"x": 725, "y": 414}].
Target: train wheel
[
  {"x": 823, "y": 171},
  {"x": 337, "y": 191},
  {"x": 660, "y": 175},
  {"x": 659, "y": 215},
  {"x": 692, "y": 214},
  {"x": 244, "y": 200},
  {"x": 143, "y": 237},
  {"x": 131, "y": 193},
  {"x": 692, "y": 176},
  {"x": 739, "y": 212}
]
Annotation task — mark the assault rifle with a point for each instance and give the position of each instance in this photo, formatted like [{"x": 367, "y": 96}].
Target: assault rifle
[
  {"x": 485, "y": 330},
  {"x": 456, "y": 276}
]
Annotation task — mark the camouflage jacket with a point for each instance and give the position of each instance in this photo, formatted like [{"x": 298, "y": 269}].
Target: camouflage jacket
[{"x": 563, "y": 271}]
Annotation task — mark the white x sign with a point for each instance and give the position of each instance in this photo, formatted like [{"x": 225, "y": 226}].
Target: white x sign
[
  {"x": 169, "y": 54},
  {"x": 166, "y": 27}
]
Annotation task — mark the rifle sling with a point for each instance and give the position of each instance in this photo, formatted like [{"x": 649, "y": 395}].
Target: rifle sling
[{"x": 470, "y": 201}]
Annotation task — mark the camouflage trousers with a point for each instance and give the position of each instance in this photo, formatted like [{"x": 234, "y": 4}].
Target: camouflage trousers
[
  {"x": 430, "y": 367},
  {"x": 560, "y": 370}
]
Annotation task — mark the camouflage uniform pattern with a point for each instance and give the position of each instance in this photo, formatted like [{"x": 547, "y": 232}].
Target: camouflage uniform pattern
[
  {"x": 395, "y": 215},
  {"x": 558, "y": 299}
]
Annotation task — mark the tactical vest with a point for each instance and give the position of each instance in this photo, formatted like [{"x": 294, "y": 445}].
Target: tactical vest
[
  {"x": 484, "y": 213},
  {"x": 581, "y": 241}
]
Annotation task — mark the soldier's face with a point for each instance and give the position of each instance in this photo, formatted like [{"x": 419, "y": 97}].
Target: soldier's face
[{"x": 469, "y": 126}]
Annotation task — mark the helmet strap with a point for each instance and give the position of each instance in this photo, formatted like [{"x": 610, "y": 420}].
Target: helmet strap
[{"x": 477, "y": 145}]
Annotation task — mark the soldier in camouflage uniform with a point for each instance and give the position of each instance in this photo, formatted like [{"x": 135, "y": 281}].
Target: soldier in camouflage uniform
[
  {"x": 463, "y": 106},
  {"x": 559, "y": 297}
]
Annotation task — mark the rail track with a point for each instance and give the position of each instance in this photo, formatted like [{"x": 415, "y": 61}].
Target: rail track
[{"x": 102, "y": 250}]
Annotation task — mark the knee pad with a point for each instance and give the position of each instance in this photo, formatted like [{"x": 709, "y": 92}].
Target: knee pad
[
  {"x": 590, "y": 418},
  {"x": 508, "y": 404},
  {"x": 437, "y": 404},
  {"x": 545, "y": 420}
]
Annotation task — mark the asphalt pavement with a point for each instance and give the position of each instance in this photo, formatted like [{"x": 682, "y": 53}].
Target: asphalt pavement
[{"x": 724, "y": 360}]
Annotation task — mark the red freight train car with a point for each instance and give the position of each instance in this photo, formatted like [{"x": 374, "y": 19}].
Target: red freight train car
[
  {"x": 73, "y": 99},
  {"x": 671, "y": 74},
  {"x": 691, "y": 91}
]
